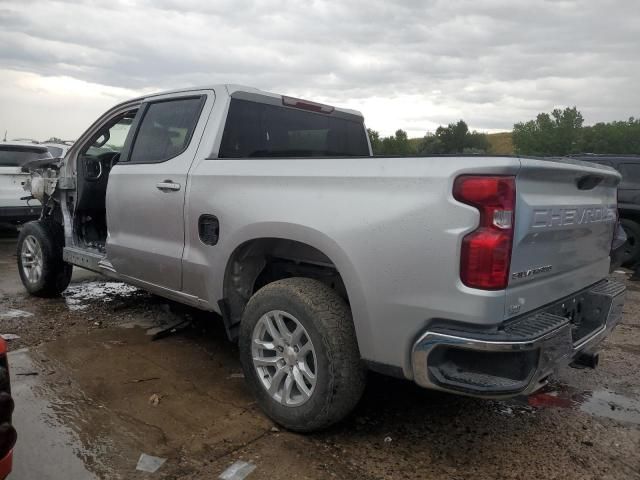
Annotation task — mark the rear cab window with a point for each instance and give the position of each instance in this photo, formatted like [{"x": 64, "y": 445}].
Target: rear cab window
[
  {"x": 255, "y": 129},
  {"x": 18, "y": 155}
]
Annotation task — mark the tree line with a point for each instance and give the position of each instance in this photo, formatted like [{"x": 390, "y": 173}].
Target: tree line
[
  {"x": 454, "y": 138},
  {"x": 560, "y": 132}
]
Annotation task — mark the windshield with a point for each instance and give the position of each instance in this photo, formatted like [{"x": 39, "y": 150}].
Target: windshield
[
  {"x": 56, "y": 152},
  {"x": 18, "y": 155}
]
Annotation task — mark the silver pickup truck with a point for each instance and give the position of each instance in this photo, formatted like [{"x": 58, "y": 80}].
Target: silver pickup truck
[{"x": 468, "y": 274}]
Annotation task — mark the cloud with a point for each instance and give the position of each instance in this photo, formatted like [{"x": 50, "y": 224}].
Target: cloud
[{"x": 405, "y": 64}]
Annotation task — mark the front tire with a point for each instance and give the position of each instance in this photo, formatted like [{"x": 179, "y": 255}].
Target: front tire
[
  {"x": 42, "y": 270},
  {"x": 299, "y": 354}
]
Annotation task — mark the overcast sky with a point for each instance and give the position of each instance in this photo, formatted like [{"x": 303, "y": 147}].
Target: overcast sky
[{"x": 403, "y": 63}]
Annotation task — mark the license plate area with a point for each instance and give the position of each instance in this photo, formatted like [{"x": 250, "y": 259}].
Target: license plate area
[{"x": 586, "y": 311}]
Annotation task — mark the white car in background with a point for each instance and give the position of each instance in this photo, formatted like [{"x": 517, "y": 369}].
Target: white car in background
[
  {"x": 13, "y": 156},
  {"x": 57, "y": 150}
]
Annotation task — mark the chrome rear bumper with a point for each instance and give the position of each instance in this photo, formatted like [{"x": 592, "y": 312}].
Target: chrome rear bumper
[{"x": 518, "y": 358}]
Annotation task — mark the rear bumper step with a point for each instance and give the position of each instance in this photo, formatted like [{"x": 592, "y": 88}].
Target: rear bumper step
[{"x": 518, "y": 358}]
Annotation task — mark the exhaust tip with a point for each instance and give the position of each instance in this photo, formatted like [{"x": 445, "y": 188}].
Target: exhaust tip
[{"x": 586, "y": 360}]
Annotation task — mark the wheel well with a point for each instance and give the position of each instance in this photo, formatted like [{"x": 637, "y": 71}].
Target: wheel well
[
  {"x": 259, "y": 262},
  {"x": 630, "y": 215}
]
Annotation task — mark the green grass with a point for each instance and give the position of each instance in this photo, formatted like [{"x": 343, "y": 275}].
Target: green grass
[{"x": 499, "y": 143}]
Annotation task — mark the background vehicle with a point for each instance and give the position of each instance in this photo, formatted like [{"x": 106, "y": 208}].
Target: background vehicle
[
  {"x": 57, "y": 150},
  {"x": 618, "y": 247},
  {"x": 628, "y": 199},
  {"x": 13, "y": 156},
  {"x": 472, "y": 275}
]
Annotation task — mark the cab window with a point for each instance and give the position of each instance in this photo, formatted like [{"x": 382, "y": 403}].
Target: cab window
[
  {"x": 166, "y": 129},
  {"x": 256, "y": 129}
]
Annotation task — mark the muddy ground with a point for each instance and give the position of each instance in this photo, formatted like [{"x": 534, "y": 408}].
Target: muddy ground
[{"x": 93, "y": 392}]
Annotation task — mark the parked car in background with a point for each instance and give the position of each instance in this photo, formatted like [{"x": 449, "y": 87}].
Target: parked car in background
[
  {"x": 628, "y": 199},
  {"x": 57, "y": 150},
  {"x": 618, "y": 247},
  {"x": 13, "y": 156}
]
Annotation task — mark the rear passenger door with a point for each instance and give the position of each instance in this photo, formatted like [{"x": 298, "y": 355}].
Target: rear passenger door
[{"x": 146, "y": 190}]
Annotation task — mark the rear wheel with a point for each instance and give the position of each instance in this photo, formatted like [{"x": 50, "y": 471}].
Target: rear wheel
[
  {"x": 42, "y": 270},
  {"x": 299, "y": 354},
  {"x": 631, "y": 249}
]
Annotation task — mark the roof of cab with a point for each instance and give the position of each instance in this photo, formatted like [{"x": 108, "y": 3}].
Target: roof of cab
[{"x": 231, "y": 89}]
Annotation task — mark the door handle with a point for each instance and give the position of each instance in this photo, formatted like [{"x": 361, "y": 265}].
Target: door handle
[{"x": 168, "y": 185}]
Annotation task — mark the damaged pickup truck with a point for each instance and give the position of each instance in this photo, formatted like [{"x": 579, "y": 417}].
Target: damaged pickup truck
[{"x": 468, "y": 274}]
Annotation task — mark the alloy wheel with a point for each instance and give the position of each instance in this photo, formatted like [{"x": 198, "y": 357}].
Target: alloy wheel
[
  {"x": 31, "y": 259},
  {"x": 284, "y": 358}
]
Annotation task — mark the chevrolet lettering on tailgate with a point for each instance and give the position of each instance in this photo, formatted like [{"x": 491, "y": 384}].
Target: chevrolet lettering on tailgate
[{"x": 559, "y": 217}]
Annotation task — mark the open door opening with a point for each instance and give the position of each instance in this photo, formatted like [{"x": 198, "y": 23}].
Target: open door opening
[{"x": 93, "y": 166}]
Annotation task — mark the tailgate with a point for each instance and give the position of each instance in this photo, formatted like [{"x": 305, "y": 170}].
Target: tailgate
[{"x": 564, "y": 223}]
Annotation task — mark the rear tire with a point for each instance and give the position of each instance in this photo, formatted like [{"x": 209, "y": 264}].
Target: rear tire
[
  {"x": 297, "y": 336},
  {"x": 42, "y": 270},
  {"x": 631, "y": 249}
]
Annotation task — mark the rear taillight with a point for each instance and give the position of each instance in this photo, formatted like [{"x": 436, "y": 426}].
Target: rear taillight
[{"x": 486, "y": 252}]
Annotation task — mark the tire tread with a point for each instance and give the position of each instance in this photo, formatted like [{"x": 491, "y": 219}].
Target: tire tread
[
  {"x": 56, "y": 273},
  {"x": 333, "y": 319}
]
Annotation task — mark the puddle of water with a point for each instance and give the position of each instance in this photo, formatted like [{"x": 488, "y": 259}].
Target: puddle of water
[
  {"x": 600, "y": 403},
  {"x": 99, "y": 290},
  {"x": 511, "y": 409},
  {"x": 75, "y": 304},
  {"x": 12, "y": 313},
  {"x": 163, "y": 318},
  {"x": 46, "y": 449},
  {"x": 608, "y": 404},
  {"x": 78, "y": 295},
  {"x": 146, "y": 323}
]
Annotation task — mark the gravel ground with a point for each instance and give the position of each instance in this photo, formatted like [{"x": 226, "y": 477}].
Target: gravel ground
[{"x": 183, "y": 398}]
